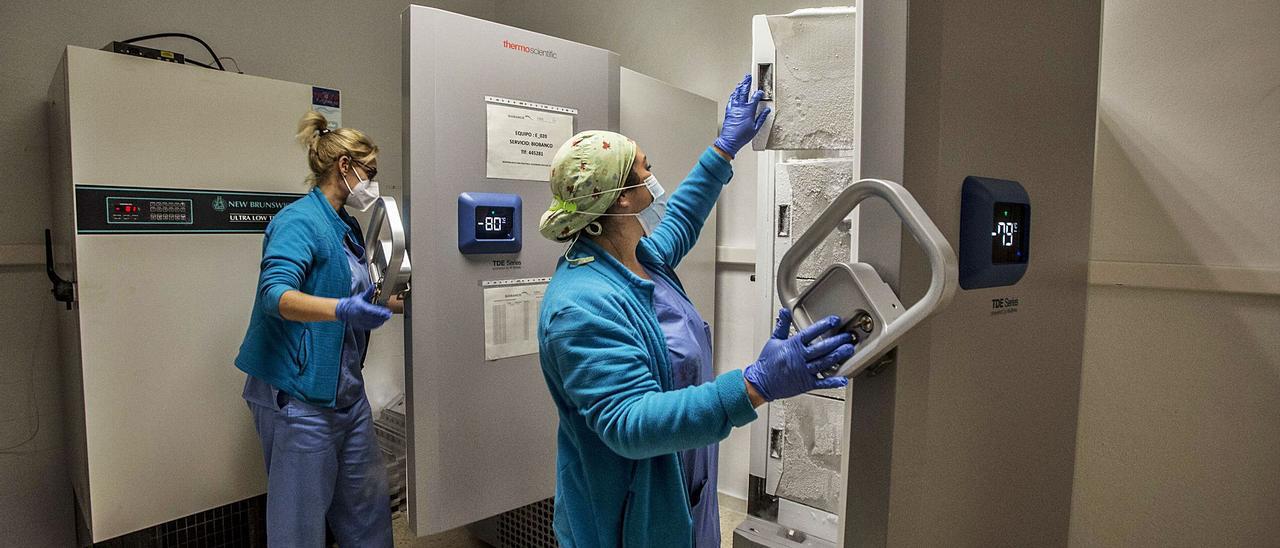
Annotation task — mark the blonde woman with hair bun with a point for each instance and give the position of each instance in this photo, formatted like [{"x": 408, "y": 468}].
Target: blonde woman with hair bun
[{"x": 304, "y": 353}]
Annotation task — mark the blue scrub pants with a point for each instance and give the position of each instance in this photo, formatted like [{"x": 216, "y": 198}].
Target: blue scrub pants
[
  {"x": 700, "y": 469},
  {"x": 323, "y": 465}
]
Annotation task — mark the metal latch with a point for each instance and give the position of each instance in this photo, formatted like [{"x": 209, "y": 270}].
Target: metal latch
[
  {"x": 63, "y": 290},
  {"x": 775, "y": 443}
]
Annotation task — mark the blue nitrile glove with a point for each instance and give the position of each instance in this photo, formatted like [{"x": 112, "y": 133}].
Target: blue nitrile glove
[
  {"x": 740, "y": 120},
  {"x": 361, "y": 313},
  {"x": 789, "y": 366}
]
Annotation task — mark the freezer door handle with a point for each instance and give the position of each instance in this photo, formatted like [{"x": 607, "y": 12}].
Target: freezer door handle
[
  {"x": 388, "y": 259},
  {"x": 858, "y": 283},
  {"x": 63, "y": 290}
]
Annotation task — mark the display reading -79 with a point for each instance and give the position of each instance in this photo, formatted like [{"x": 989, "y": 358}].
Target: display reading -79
[{"x": 1008, "y": 244}]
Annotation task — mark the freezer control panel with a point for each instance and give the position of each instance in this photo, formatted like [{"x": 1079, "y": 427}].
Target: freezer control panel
[
  {"x": 995, "y": 232},
  {"x": 148, "y": 210},
  {"x": 489, "y": 223}
]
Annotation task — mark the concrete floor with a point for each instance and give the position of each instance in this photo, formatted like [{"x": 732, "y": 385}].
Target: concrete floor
[
  {"x": 453, "y": 538},
  {"x": 732, "y": 512}
]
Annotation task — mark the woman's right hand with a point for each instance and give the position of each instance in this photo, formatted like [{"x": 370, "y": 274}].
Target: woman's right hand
[
  {"x": 789, "y": 366},
  {"x": 361, "y": 313}
]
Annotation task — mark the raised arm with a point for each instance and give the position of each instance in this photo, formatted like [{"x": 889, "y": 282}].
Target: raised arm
[{"x": 689, "y": 206}]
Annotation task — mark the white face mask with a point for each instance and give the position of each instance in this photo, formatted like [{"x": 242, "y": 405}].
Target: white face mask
[
  {"x": 363, "y": 195},
  {"x": 650, "y": 216}
]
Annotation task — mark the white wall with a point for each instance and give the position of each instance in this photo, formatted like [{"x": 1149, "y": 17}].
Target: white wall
[
  {"x": 351, "y": 46},
  {"x": 1179, "y": 426},
  {"x": 1179, "y": 440},
  {"x": 704, "y": 47}
]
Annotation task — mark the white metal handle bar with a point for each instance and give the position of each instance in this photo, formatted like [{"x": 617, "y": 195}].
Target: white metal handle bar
[
  {"x": 942, "y": 262},
  {"x": 386, "y": 258}
]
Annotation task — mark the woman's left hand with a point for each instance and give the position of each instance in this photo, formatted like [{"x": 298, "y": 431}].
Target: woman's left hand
[
  {"x": 740, "y": 120},
  {"x": 361, "y": 313},
  {"x": 396, "y": 304}
]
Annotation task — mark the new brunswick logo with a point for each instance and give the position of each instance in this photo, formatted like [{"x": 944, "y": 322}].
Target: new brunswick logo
[{"x": 219, "y": 204}]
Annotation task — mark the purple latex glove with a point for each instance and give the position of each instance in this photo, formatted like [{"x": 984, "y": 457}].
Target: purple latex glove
[
  {"x": 789, "y": 366},
  {"x": 740, "y": 120},
  {"x": 361, "y": 313}
]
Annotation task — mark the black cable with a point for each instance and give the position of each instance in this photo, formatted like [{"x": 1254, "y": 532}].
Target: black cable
[
  {"x": 216, "y": 61},
  {"x": 199, "y": 64},
  {"x": 233, "y": 60},
  {"x": 34, "y": 408}
]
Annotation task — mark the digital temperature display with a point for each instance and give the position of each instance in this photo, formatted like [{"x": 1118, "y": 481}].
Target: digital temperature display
[
  {"x": 494, "y": 223},
  {"x": 1008, "y": 242},
  {"x": 995, "y": 232},
  {"x": 488, "y": 223}
]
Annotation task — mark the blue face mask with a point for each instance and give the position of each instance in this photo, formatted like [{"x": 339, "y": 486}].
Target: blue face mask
[{"x": 652, "y": 215}]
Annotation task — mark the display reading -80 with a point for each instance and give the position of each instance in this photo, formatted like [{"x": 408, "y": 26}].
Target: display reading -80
[
  {"x": 494, "y": 223},
  {"x": 1007, "y": 242}
]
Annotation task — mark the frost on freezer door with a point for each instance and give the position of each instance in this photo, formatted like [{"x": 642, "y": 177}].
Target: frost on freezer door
[
  {"x": 811, "y": 185},
  {"x": 811, "y": 452},
  {"x": 813, "y": 81}
]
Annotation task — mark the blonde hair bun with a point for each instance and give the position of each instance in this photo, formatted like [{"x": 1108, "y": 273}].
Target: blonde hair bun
[{"x": 325, "y": 147}]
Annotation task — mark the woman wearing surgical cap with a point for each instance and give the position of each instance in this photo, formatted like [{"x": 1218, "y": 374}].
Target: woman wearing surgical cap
[{"x": 626, "y": 356}]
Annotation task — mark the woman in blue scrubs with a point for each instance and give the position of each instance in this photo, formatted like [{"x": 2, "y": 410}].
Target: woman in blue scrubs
[
  {"x": 627, "y": 357},
  {"x": 304, "y": 352}
]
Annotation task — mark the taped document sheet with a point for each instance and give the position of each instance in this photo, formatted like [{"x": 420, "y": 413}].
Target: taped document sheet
[
  {"x": 523, "y": 136},
  {"x": 511, "y": 319}
]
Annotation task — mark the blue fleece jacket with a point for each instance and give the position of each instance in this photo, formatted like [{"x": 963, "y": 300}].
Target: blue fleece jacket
[
  {"x": 302, "y": 250},
  {"x": 605, "y": 360}
]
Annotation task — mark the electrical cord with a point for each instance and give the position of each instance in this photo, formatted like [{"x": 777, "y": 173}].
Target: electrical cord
[
  {"x": 216, "y": 60},
  {"x": 31, "y": 395},
  {"x": 233, "y": 60}
]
